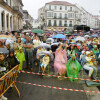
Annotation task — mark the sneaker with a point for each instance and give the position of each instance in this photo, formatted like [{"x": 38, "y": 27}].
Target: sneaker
[{"x": 4, "y": 98}]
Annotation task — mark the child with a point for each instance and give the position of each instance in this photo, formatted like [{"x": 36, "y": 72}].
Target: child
[
  {"x": 45, "y": 62},
  {"x": 12, "y": 60},
  {"x": 21, "y": 57},
  {"x": 3, "y": 70}
]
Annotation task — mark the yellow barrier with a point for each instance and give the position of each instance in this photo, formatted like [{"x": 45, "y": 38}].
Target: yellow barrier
[{"x": 9, "y": 80}]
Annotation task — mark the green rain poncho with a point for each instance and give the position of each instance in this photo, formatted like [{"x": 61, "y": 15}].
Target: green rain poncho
[
  {"x": 73, "y": 68},
  {"x": 21, "y": 58}
]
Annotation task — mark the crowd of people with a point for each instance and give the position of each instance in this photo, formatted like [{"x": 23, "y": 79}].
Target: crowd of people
[{"x": 67, "y": 55}]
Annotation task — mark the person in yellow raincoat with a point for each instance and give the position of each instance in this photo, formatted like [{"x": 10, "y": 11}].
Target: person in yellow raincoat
[{"x": 21, "y": 57}]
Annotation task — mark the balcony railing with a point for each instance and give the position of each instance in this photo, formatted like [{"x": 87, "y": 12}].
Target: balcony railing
[
  {"x": 18, "y": 9},
  {"x": 60, "y": 18}
]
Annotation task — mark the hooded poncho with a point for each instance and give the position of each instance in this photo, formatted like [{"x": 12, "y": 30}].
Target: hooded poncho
[
  {"x": 73, "y": 68},
  {"x": 21, "y": 58},
  {"x": 12, "y": 61}
]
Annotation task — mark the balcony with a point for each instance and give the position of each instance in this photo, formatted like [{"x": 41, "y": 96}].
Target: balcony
[
  {"x": 60, "y": 18},
  {"x": 17, "y": 8}
]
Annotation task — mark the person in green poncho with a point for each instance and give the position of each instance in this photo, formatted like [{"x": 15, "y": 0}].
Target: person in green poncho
[
  {"x": 95, "y": 50},
  {"x": 21, "y": 57},
  {"x": 73, "y": 68}
]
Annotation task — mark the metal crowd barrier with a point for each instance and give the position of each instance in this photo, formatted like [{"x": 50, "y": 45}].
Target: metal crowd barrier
[{"x": 8, "y": 80}]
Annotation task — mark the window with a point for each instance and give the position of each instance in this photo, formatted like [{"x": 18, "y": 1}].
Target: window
[
  {"x": 7, "y": 19},
  {"x": 65, "y": 16},
  {"x": 49, "y": 23},
  {"x": 55, "y": 7},
  {"x": 11, "y": 22},
  {"x": 55, "y": 15},
  {"x": 71, "y": 15},
  {"x": 49, "y": 7},
  {"x": 60, "y": 23},
  {"x": 65, "y": 23},
  {"x": 60, "y": 7},
  {"x": 3, "y": 20},
  {"x": 60, "y": 15},
  {"x": 65, "y": 7},
  {"x": 70, "y": 8},
  {"x": 70, "y": 24},
  {"x": 55, "y": 23},
  {"x": 10, "y": 3},
  {"x": 50, "y": 14}
]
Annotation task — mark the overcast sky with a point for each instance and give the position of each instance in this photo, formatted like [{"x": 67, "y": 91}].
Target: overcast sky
[{"x": 92, "y": 6}]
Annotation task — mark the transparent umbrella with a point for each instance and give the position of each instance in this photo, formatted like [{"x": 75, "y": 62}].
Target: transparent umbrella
[
  {"x": 44, "y": 45},
  {"x": 46, "y": 52}
]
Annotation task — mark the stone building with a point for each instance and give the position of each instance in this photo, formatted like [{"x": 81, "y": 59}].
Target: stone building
[
  {"x": 27, "y": 20},
  {"x": 11, "y": 15},
  {"x": 58, "y": 15}
]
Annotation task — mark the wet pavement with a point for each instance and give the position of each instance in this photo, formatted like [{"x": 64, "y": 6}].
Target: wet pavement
[{"x": 29, "y": 92}]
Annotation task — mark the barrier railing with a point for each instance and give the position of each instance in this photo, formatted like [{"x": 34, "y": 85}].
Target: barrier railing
[{"x": 8, "y": 80}]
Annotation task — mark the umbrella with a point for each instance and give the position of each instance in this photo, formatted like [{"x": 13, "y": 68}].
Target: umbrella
[
  {"x": 86, "y": 36},
  {"x": 95, "y": 35},
  {"x": 4, "y": 37},
  {"x": 45, "y": 52},
  {"x": 59, "y": 36},
  {"x": 80, "y": 39},
  {"x": 49, "y": 40},
  {"x": 54, "y": 36},
  {"x": 4, "y": 50},
  {"x": 67, "y": 32},
  {"x": 44, "y": 45},
  {"x": 75, "y": 34},
  {"x": 54, "y": 44},
  {"x": 37, "y": 31}
]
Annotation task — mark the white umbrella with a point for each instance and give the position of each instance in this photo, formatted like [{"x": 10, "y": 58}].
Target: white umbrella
[
  {"x": 49, "y": 40},
  {"x": 80, "y": 39},
  {"x": 45, "y": 52},
  {"x": 4, "y": 50},
  {"x": 86, "y": 36},
  {"x": 44, "y": 45},
  {"x": 54, "y": 44}
]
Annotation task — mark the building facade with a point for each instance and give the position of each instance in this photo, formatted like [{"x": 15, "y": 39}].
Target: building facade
[
  {"x": 27, "y": 20},
  {"x": 57, "y": 15},
  {"x": 11, "y": 15}
]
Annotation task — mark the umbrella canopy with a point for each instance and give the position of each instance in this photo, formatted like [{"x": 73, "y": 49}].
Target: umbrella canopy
[
  {"x": 4, "y": 50},
  {"x": 44, "y": 45},
  {"x": 75, "y": 34},
  {"x": 80, "y": 39},
  {"x": 67, "y": 32},
  {"x": 37, "y": 31},
  {"x": 95, "y": 35},
  {"x": 49, "y": 40},
  {"x": 54, "y": 44},
  {"x": 4, "y": 37},
  {"x": 86, "y": 36},
  {"x": 54, "y": 36},
  {"x": 45, "y": 52},
  {"x": 59, "y": 36}
]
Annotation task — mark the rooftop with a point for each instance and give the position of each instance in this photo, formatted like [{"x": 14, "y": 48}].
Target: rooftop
[{"x": 60, "y": 3}]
